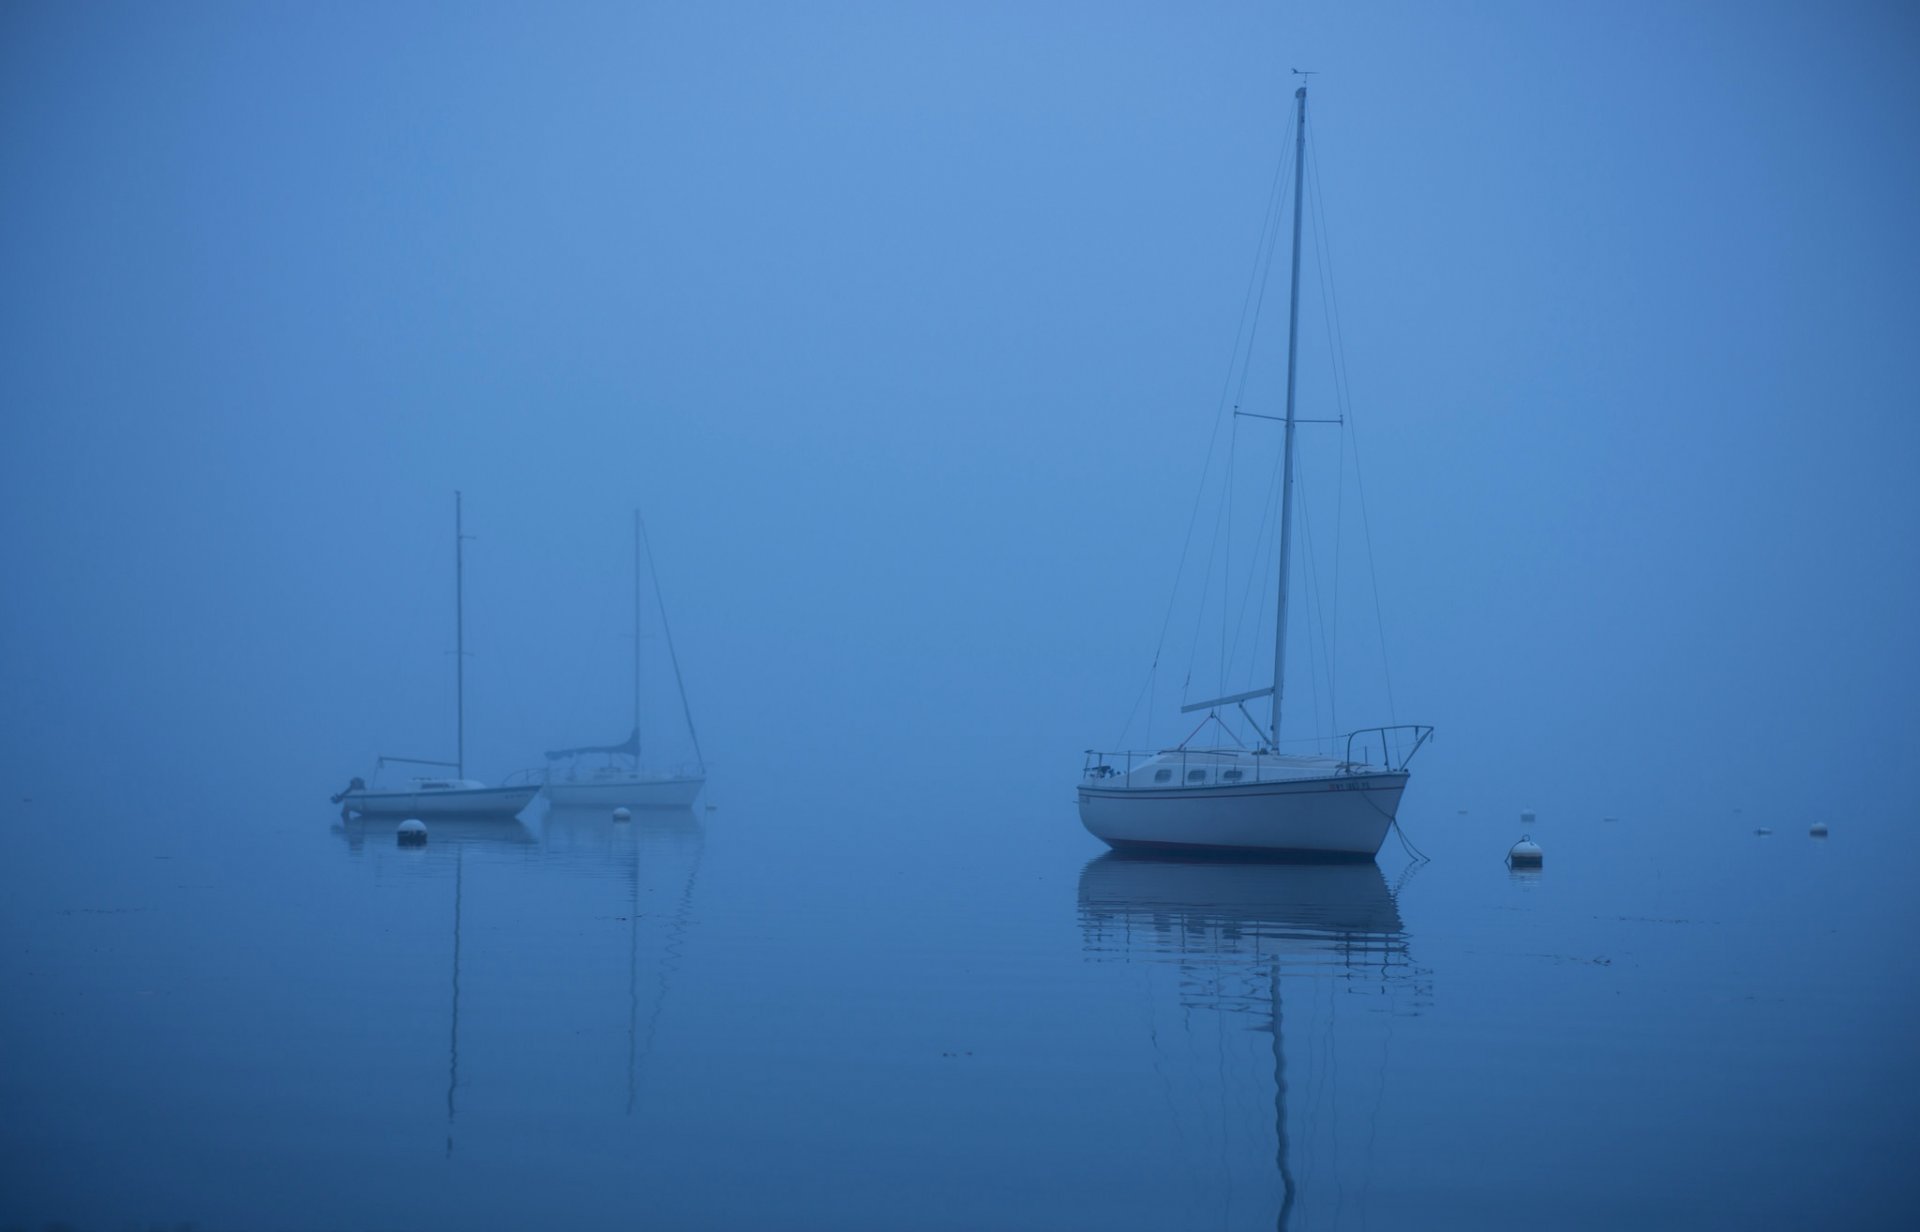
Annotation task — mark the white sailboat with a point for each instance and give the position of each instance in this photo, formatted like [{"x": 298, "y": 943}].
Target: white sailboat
[
  {"x": 621, "y": 779},
  {"x": 1235, "y": 799},
  {"x": 441, "y": 795}
]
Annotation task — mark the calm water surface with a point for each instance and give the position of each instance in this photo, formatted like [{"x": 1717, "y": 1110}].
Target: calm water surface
[{"x": 899, "y": 1012}]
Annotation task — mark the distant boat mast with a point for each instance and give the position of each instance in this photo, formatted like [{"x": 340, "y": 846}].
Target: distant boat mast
[
  {"x": 636, "y": 639},
  {"x": 459, "y": 643}
]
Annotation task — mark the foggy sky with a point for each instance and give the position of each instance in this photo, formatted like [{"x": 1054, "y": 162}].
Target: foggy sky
[{"x": 906, "y": 326}]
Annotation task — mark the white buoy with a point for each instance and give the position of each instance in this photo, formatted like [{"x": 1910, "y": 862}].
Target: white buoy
[
  {"x": 1526, "y": 854},
  {"x": 412, "y": 833},
  {"x": 1526, "y": 817},
  {"x": 623, "y": 813},
  {"x": 1818, "y": 829}
]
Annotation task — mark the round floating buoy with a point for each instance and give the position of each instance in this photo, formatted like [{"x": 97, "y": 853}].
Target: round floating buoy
[
  {"x": 1525, "y": 854},
  {"x": 1526, "y": 817},
  {"x": 412, "y": 833},
  {"x": 1818, "y": 829},
  {"x": 623, "y": 813}
]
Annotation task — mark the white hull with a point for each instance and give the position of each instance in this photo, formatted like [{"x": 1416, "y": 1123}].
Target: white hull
[
  {"x": 636, "y": 791},
  {"x": 500, "y": 802},
  {"x": 1337, "y": 817}
]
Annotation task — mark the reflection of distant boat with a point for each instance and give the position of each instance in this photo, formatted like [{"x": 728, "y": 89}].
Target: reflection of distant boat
[
  {"x": 621, "y": 778},
  {"x": 441, "y": 796},
  {"x": 588, "y": 830},
  {"x": 1234, "y": 930},
  {"x": 445, "y": 835},
  {"x": 647, "y": 848}
]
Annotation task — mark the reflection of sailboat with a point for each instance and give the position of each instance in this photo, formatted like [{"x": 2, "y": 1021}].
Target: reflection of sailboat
[
  {"x": 441, "y": 796},
  {"x": 1333, "y": 908},
  {"x": 659, "y": 842},
  {"x": 453, "y": 834},
  {"x": 621, "y": 778},
  {"x": 1232, "y": 798},
  {"x": 1233, "y": 931}
]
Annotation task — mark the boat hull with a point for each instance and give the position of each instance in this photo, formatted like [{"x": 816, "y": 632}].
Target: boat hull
[
  {"x": 450, "y": 802},
  {"x": 671, "y": 792},
  {"x": 1343, "y": 817}
]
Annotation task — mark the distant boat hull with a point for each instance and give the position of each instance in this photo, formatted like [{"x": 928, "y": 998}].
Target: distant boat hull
[
  {"x": 502, "y": 802},
  {"x": 1339, "y": 817},
  {"x": 672, "y": 791}
]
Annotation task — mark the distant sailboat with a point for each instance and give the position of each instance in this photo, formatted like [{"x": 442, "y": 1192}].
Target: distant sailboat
[
  {"x": 441, "y": 796},
  {"x": 1257, "y": 800},
  {"x": 622, "y": 779}
]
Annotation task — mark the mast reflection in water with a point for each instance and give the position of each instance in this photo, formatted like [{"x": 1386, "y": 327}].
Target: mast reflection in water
[
  {"x": 449, "y": 838},
  {"x": 658, "y": 854},
  {"x": 521, "y": 919},
  {"x": 1283, "y": 950}
]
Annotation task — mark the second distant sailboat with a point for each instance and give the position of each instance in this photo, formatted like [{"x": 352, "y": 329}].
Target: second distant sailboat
[
  {"x": 622, "y": 779},
  {"x": 439, "y": 795}
]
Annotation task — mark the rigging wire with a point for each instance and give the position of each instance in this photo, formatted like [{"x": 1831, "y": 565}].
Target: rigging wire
[
  {"x": 1343, "y": 386},
  {"x": 1316, "y": 617},
  {"x": 1323, "y": 630},
  {"x": 1263, "y": 263},
  {"x": 654, "y": 574},
  {"x": 1343, "y": 401},
  {"x": 1257, "y": 584},
  {"x": 1206, "y": 574},
  {"x": 1255, "y": 281},
  {"x": 1252, "y": 306}
]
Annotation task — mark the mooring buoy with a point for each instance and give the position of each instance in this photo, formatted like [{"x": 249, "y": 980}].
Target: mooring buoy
[
  {"x": 623, "y": 813},
  {"x": 1526, "y": 853},
  {"x": 1526, "y": 817},
  {"x": 1818, "y": 829},
  {"x": 412, "y": 833}
]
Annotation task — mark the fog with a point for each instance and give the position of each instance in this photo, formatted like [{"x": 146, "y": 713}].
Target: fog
[
  {"x": 906, "y": 327},
  {"x": 910, "y": 329}
]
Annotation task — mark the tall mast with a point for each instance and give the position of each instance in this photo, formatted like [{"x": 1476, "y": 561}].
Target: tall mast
[
  {"x": 1286, "y": 463},
  {"x": 459, "y": 643},
  {"x": 636, "y": 638}
]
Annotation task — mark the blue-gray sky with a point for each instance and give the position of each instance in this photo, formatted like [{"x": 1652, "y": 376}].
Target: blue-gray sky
[{"x": 906, "y": 326}]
